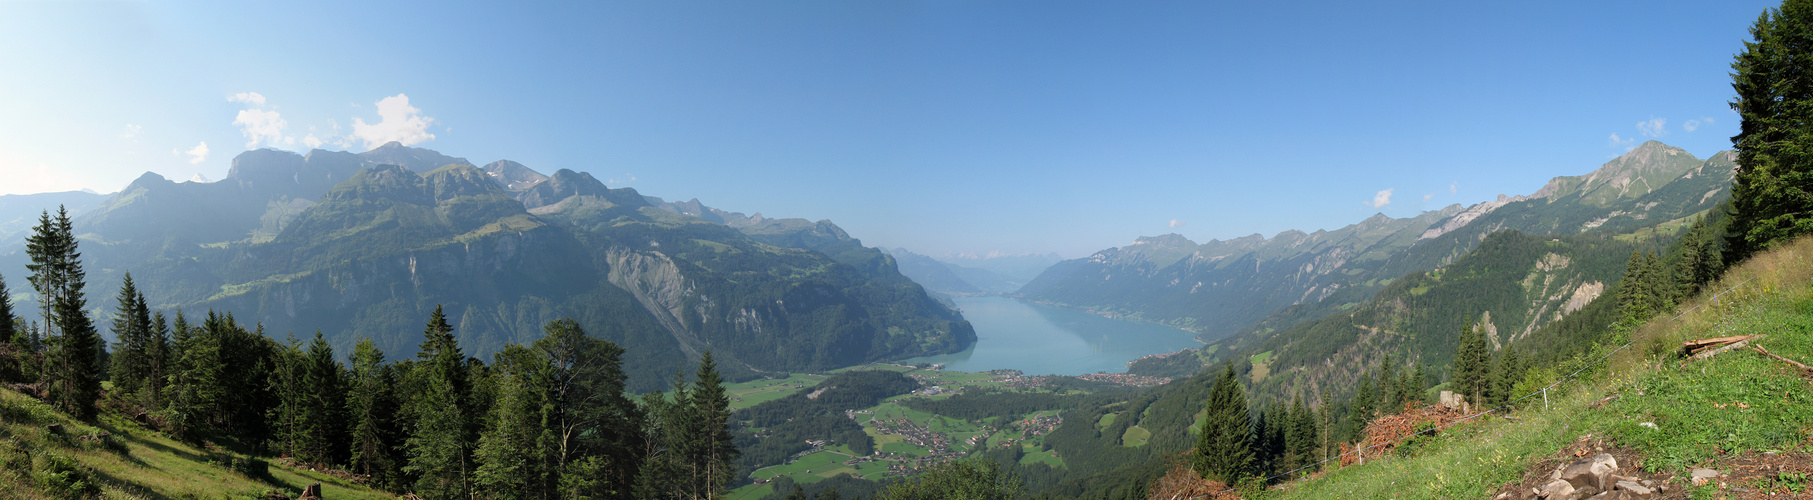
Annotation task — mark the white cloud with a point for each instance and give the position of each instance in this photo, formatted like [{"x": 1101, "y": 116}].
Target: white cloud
[
  {"x": 1653, "y": 128},
  {"x": 198, "y": 154},
  {"x": 1691, "y": 125},
  {"x": 1381, "y": 199},
  {"x": 1176, "y": 223},
  {"x": 260, "y": 126},
  {"x": 626, "y": 180},
  {"x": 249, "y": 98},
  {"x": 1453, "y": 187},
  {"x": 399, "y": 122},
  {"x": 311, "y": 141},
  {"x": 1621, "y": 141},
  {"x": 1426, "y": 197},
  {"x": 130, "y": 131}
]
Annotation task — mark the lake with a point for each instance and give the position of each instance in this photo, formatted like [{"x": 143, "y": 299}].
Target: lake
[{"x": 1046, "y": 340}]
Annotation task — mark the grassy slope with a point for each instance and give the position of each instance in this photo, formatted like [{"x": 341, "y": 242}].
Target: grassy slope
[
  {"x": 1775, "y": 298},
  {"x": 142, "y": 463}
]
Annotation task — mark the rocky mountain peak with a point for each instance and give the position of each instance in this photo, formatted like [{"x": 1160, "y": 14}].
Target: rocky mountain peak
[{"x": 514, "y": 176}]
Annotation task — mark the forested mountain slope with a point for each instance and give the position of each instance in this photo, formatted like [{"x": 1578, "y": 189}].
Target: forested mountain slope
[
  {"x": 365, "y": 245},
  {"x": 1221, "y": 288}
]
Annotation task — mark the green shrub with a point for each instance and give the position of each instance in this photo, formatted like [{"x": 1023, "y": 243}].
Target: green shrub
[{"x": 60, "y": 476}]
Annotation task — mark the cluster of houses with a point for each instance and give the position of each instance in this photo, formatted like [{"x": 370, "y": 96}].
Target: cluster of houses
[{"x": 1126, "y": 379}]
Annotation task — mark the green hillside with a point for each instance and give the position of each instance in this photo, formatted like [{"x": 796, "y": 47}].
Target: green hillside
[
  {"x": 135, "y": 462},
  {"x": 1735, "y": 408}
]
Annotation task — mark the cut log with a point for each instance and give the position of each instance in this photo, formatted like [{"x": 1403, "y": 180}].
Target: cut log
[
  {"x": 1695, "y": 346},
  {"x": 1717, "y": 349},
  {"x": 1803, "y": 368}
]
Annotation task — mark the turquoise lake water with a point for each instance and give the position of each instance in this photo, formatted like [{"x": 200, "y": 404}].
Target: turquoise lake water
[{"x": 1045, "y": 340}]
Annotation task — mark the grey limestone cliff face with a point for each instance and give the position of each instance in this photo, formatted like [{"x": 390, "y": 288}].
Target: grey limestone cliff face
[{"x": 656, "y": 283}]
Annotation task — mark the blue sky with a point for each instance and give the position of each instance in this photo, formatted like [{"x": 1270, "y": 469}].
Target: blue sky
[{"x": 942, "y": 127}]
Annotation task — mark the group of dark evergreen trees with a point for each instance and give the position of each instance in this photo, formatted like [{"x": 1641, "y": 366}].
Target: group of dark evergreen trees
[
  {"x": 547, "y": 420},
  {"x": 1235, "y": 447}
]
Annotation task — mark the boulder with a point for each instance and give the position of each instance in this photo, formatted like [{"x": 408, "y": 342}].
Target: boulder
[
  {"x": 1556, "y": 490},
  {"x": 1595, "y": 471},
  {"x": 1452, "y": 400},
  {"x": 1703, "y": 476},
  {"x": 1636, "y": 488},
  {"x": 312, "y": 492}
]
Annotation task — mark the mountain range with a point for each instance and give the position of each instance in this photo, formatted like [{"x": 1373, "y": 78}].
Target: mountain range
[
  {"x": 367, "y": 245},
  {"x": 1253, "y": 283}
]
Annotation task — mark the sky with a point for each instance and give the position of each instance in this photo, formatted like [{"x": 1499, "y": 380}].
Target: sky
[{"x": 970, "y": 127}]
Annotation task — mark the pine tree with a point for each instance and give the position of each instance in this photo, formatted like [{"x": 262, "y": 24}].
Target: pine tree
[
  {"x": 131, "y": 354},
  {"x": 668, "y": 426},
  {"x": 1472, "y": 365},
  {"x": 516, "y": 452},
  {"x": 159, "y": 359},
  {"x": 75, "y": 349},
  {"x": 372, "y": 410},
  {"x": 439, "y": 450},
  {"x": 1388, "y": 402},
  {"x": 288, "y": 381},
  {"x": 323, "y": 414},
  {"x": 1363, "y": 406},
  {"x": 1772, "y": 195},
  {"x": 1224, "y": 448},
  {"x": 711, "y": 449},
  {"x": 8, "y": 333},
  {"x": 1303, "y": 426}
]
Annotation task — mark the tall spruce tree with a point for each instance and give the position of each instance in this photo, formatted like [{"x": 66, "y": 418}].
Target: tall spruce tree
[
  {"x": 1364, "y": 404},
  {"x": 132, "y": 350},
  {"x": 372, "y": 413},
  {"x": 711, "y": 450},
  {"x": 159, "y": 359},
  {"x": 74, "y": 347},
  {"x": 1772, "y": 196},
  {"x": 1224, "y": 448},
  {"x": 324, "y": 409},
  {"x": 8, "y": 333},
  {"x": 517, "y": 451},
  {"x": 1472, "y": 365},
  {"x": 439, "y": 449},
  {"x": 668, "y": 425},
  {"x": 286, "y": 418}
]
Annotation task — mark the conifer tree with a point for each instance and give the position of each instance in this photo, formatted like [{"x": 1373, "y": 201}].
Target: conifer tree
[
  {"x": 1303, "y": 427},
  {"x": 8, "y": 333},
  {"x": 132, "y": 352},
  {"x": 287, "y": 381},
  {"x": 710, "y": 449},
  {"x": 1772, "y": 195},
  {"x": 1388, "y": 402},
  {"x": 1472, "y": 365},
  {"x": 1224, "y": 448},
  {"x": 516, "y": 452},
  {"x": 74, "y": 351},
  {"x": 439, "y": 450},
  {"x": 668, "y": 426},
  {"x": 372, "y": 411},
  {"x": 158, "y": 360},
  {"x": 1363, "y": 406},
  {"x": 323, "y": 413}
]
